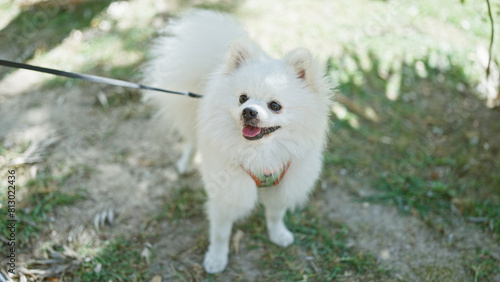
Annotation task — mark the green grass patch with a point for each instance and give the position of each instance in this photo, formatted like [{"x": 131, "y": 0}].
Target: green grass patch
[
  {"x": 222, "y": 6},
  {"x": 40, "y": 196},
  {"x": 320, "y": 252},
  {"x": 182, "y": 203},
  {"x": 43, "y": 25},
  {"x": 485, "y": 266},
  {"x": 434, "y": 149},
  {"x": 119, "y": 260}
]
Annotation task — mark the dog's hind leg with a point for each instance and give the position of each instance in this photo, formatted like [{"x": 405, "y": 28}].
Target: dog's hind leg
[{"x": 185, "y": 163}]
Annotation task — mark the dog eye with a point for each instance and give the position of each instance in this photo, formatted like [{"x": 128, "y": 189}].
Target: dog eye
[
  {"x": 243, "y": 98},
  {"x": 274, "y": 106}
]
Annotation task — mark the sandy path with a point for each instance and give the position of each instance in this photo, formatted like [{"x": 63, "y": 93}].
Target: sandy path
[{"x": 405, "y": 244}]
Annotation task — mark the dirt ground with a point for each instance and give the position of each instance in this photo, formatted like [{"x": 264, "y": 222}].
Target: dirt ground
[{"x": 132, "y": 172}]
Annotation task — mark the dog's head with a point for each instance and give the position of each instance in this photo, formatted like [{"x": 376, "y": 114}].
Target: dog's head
[
  {"x": 274, "y": 104},
  {"x": 271, "y": 94}
]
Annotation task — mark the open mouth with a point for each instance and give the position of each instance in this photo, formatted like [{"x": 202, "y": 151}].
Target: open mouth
[{"x": 255, "y": 133}]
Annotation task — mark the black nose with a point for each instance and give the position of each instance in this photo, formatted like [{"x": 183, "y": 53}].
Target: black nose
[{"x": 249, "y": 113}]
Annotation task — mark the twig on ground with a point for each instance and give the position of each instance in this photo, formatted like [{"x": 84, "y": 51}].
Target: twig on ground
[{"x": 492, "y": 38}]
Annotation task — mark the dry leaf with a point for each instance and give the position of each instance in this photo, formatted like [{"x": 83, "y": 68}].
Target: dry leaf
[
  {"x": 98, "y": 268},
  {"x": 146, "y": 252},
  {"x": 156, "y": 278}
]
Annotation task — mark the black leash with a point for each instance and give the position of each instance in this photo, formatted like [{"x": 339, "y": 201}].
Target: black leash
[{"x": 94, "y": 78}]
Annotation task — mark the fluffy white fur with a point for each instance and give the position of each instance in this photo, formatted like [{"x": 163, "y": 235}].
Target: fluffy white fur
[{"x": 209, "y": 53}]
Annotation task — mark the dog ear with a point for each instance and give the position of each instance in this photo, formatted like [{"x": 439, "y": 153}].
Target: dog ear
[
  {"x": 304, "y": 66},
  {"x": 242, "y": 50},
  {"x": 300, "y": 60}
]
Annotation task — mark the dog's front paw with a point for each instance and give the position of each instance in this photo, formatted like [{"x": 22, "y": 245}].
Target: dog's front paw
[
  {"x": 214, "y": 262},
  {"x": 281, "y": 237}
]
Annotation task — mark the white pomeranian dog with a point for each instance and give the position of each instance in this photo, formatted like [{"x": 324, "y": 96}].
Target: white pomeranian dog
[{"x": 260, "y": 128}]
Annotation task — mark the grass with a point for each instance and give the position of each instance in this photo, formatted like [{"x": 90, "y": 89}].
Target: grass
[
  {"x": 434, "y": 150},
  {"x": 44, "y": 25},
  {"x": 485, "y": 264},
  {"x": 430, "y": 152},
  {"x": 182, "y": 203},
  {"x": 35, "y": 203},
  {"x": 418, "y": 157},
  {"x": 321, "y": 251},
  {"x": 119, "y": 260}
]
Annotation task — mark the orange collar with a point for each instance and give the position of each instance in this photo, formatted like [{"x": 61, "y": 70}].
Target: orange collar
[{"x": 265, "y": 179}]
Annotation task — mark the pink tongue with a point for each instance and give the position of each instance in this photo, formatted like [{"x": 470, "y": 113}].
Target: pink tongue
[{"x": 250, "y": 131}]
